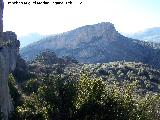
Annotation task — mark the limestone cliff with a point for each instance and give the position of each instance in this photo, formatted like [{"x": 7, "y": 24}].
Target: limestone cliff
[{"x": 9, "y": 50}]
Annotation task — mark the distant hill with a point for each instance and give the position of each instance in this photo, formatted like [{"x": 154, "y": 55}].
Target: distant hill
[
  {"x": 28, "y": 39},
  {"x": 98, "y": 43},
  {"x": 148, "y": 35}
]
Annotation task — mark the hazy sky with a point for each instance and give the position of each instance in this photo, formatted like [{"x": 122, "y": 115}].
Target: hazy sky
[{"x": 126, "y": 15}]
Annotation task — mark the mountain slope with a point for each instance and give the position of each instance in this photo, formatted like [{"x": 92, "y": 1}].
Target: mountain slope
[
  {"x": 97, "y": 43},
  {"x": 149, "y": 35}
]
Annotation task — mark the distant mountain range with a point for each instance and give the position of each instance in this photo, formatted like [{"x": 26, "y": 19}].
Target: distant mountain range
[
  {"x": 98, "y": 43},
  {"x": 28, "y": 39},
  {"x": 148, "y": 35}
]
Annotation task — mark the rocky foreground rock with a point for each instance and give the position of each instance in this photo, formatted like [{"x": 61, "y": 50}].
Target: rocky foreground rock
[{"x": 9, "y": 51}]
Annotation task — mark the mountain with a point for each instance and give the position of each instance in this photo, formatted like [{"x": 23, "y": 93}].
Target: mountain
[
  {"x": 28, "y": 39},
  {"x": 98, "y": 43},
  {"x": 148, "y": 35}
]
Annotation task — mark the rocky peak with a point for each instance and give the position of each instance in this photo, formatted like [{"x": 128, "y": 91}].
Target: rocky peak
[
  {"x": 100, "y": 27},
  {"x": 107, "y": 26},
  {"x": 106, "y": 30}
]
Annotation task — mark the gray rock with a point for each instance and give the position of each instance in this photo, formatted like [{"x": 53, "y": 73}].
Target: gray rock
[
  {"x": 9, "y": 51},
  {"x": 8, "y": 56}
]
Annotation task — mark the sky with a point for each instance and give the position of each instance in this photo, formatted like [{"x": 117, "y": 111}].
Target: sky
[{"x": 128, "y": 16}]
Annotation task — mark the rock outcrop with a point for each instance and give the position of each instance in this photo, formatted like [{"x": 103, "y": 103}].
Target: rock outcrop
[{"x": 9, "y": 50}]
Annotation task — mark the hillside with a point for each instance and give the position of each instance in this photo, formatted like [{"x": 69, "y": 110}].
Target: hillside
[
  {"x": 148, "y": 35},
  {"x": 97, "y": 43}
]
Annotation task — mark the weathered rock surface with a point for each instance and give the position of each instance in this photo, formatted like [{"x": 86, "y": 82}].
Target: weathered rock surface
[{"x": 9, "y": 50}]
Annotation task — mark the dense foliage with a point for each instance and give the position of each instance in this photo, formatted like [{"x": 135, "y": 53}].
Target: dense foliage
[
  {"x": 122, "y": 72},
  {"x": 113, "y": 91},
  {"x": 57, "y": 98}
]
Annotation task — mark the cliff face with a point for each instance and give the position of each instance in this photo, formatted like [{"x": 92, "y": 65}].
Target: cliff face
[{"x": 9, "y": 50}]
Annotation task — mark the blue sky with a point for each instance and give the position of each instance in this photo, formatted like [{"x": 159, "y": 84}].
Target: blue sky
[{"x": 127, "y": 15}]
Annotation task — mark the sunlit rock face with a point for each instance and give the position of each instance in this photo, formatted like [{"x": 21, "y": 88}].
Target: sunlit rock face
[{"x": 9, "y": 51}]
